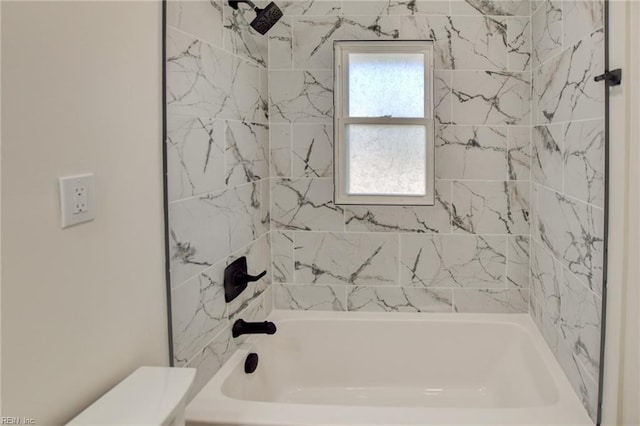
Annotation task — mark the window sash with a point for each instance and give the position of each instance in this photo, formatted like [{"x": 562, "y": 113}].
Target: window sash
[{"x": 342, "y": 120}]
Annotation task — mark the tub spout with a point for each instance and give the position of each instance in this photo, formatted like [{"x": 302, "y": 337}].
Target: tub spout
[{"x": 241, "y": 327}]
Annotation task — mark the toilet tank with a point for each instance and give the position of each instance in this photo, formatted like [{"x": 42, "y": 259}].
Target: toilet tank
[{"x": 149, "y": 396}]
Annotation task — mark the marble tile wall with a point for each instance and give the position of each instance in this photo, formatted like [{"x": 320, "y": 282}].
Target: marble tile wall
[
  {"x": 467, "y": 253},
  {"x": 218, "y": 177},
  {"x": 567, "y": 171}
]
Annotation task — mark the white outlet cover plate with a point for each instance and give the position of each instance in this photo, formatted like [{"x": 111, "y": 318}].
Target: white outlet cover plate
[{"x": 76, "y": 199}]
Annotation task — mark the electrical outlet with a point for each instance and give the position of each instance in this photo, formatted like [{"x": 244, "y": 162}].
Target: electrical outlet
[{"x": 76, "y": 199}]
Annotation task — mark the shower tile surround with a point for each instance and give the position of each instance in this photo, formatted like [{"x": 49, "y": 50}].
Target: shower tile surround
[{"x": 517, "y": 224}]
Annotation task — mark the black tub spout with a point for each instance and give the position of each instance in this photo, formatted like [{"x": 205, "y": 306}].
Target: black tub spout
[{"x": 241, "y": 327}]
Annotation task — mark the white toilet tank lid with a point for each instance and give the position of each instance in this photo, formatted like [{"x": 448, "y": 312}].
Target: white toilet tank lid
[{"x": 148, "y": 396}]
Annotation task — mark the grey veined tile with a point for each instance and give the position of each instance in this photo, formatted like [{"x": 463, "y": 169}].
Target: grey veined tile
[
  {"x": 491, "y": 207},
  {"x": 301, "y": 96},
  {"x": 546, "y": 282},
  {"x": 573, "y": 232},
  {"x": 491, "y": 300},
  {"x": 202, "y": 18},
  {"x": 471, "y": 152},
  {"x": 580, "y": 322},
  {"x": 564, "y": 86},
  {"x": 547, "y": 155},
  {"x": 195, "y": 156},
  {"x": 206, "y": 81},
  {"x": 399, "y": 299},
  {"x": 280, "y": 146},
  {"x": 312, "y": 150},
  {"x": 421, "y": 219},
  {"x": 519, "y": 43},
  {"x": 247, "y": 159},
  {"x": 199, "y": 312},
  {"x": 518, "y": 261},
  {"x": 453, "y": 261},
  {"x": 546, "y": 31},
  {"x": 282, "y": 256},
  {"x": 305, "y": 204},
  {"x": 335, "y": 258},
  {"x": 241, "y": 39},
  {"x": 519, "y": 153},
  {"x": 580, "y": 18},
  {"x": 204, "y": 230},
  {"x": 584, "y": 161},
  {"x": 491, "y": 97},
  {"x": 491, "y": 7},
  {"x": 311, "y": 297}
]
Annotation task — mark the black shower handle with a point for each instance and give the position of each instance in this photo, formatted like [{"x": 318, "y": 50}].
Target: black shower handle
[{"x": 241, "y": 277}]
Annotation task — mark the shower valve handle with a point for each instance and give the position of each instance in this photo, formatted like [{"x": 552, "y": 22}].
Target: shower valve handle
[{"x": 240, "y": 277}]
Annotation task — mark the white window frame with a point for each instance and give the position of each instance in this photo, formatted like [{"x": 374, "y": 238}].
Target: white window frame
[{"x": 341, "y": 119}]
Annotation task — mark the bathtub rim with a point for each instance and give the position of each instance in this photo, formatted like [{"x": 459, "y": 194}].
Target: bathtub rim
[{"x": 212, "y": 403}]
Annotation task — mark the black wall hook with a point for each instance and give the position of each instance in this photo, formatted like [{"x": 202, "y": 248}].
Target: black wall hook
[
  {"x": 613, "y": 78},
  {"x": 236, "y": 278}
]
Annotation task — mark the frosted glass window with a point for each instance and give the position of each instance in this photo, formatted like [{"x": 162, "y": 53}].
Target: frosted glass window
[
  {"x": 386, "y": 84},
  {"x": 384, "y": 149},
  {"x": 386, "y": 159}
]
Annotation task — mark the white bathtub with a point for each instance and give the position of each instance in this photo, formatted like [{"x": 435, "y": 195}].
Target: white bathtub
[{"x": 328, "y": 368}]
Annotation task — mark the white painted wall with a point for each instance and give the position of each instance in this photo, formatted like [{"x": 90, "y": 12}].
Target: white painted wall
[
  {"x": 621, "y": 363},
  {"x": 81, "y": 307}
]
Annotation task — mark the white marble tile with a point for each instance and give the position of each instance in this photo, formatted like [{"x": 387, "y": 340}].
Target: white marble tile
[
  {"x": 491, "y": 300},
  {"x": 580, "y": 18},
  {"x": 280, "y": 142},
  {"x": 246, "y": 155},
  {"x": 547, "y": 326},
  {"x": 573, "y": 232},
  {"x": 491, "y": 7},
  {"x": 206, "y": 229},
  {"x": 547, "y": 155},
  {"x": 281, "y": 45},
  {"x": 487, "y": 97},
  {"x": 395, "y": 7},
  {"x": 201, "y": 18},
  {"x": 311, "y": 297},
  {"x": 491, "y": 207},
  {"x": 564, "y": 87},
  {"x": 301, "y": 96},
  {"x": 210, "y": 360},
  {"x": 546, "y": 282},
  {"x": 282, "y": 256},
  {"x": 312, "y": 150},
  {"x": 242, "y": 40},
  {"x": 519, "y": 153},
  {"x": 335, "y": 258},
  {"x": 305, "y": 204},
  {"x": 518, "y": 261},
  {"x": 265, "y": 206},
  {"x": 199, "y": 312},
  {"x": 205, "y": 81},
  {"x": 310, "y": 7},
  {"x": 453, "y": 261},
  {"x": 420, "y": 219},
  {"x": 461, "y": 42},
  {"x": 195, "y": 156},
  {"x": 533, "y": 217},
  {"x": 584, "y": 385},
  {"x": 356, "y": 27},
  {"x": 519, "y": 43},
  {"x": 471, "y": 152},
  {"x": 442, "y": 84},
  {"x": 584, "y": 161},
  {"x": 313, "y": 41},
  {"x": 399, "y": 299},
  {"x": 546, "y": 30},
  {"x": 580, "y": 322}
]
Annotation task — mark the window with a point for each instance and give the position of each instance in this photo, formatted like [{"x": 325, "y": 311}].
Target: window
[{"x": 383, "y": 122}]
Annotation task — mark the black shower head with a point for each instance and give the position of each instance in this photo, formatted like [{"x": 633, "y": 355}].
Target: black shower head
[{"x": 265, "y": 18}]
